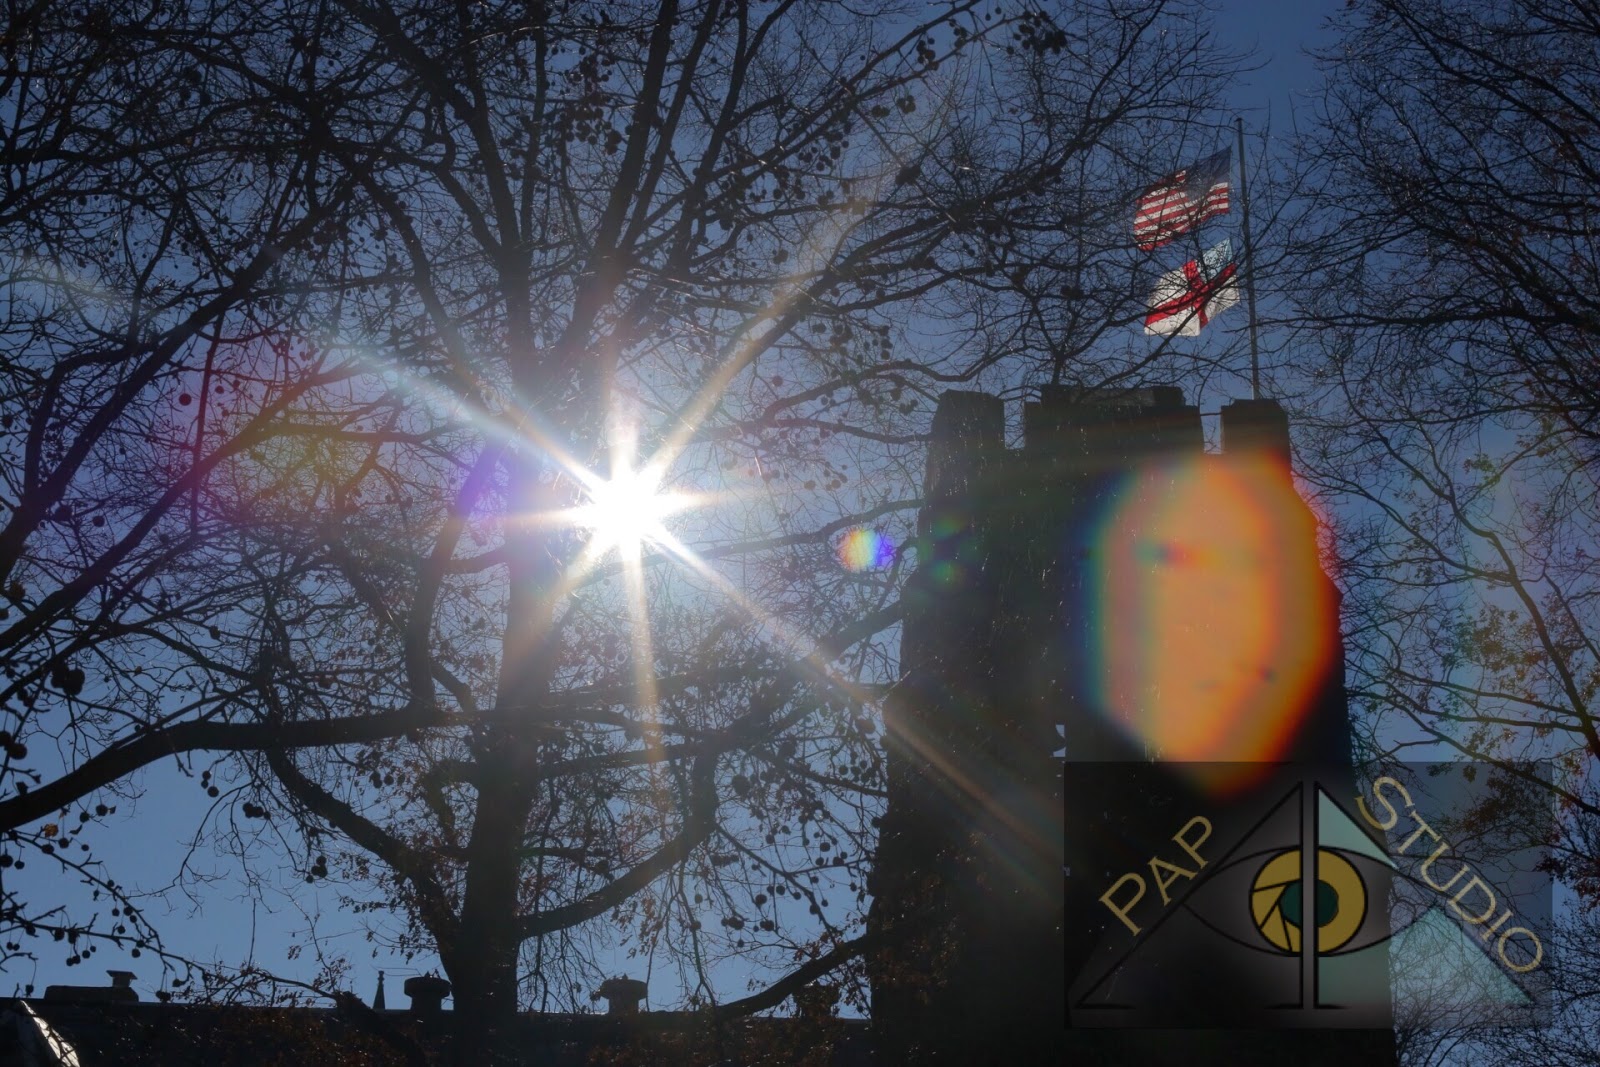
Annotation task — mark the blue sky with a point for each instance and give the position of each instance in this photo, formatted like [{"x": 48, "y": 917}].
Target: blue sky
[{"x": 1276, "y": 32}]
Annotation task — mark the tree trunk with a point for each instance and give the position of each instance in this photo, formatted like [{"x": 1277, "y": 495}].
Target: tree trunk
[{"x": 483, "y": 965}]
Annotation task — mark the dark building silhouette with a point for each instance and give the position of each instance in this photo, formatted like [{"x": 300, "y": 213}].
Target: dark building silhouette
[
  {"x": 1113, "y": 591},
  {"x": 109, "y": 1026}
]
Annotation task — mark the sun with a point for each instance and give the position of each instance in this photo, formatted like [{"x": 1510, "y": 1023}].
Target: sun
[{"x": 627, "y": 511}]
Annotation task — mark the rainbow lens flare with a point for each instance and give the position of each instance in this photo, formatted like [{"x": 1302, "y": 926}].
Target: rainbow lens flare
[
  {"x": 864, "y": 549},
  {"x": 1211, "y": 624}
]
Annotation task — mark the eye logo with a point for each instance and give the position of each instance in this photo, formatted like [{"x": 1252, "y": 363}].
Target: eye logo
[
  {"x": 1277, "y": 901},
  {"x": 1283, "y": 907},
  {"x": 1235, "y": 947}
]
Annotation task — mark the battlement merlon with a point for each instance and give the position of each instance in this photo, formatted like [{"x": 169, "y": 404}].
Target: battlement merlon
[
  {"x": 1074, "y": 431},
  {"x": 1251, "y": 425}
]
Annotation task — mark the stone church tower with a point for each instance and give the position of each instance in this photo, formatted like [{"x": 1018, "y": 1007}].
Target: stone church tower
[{"x": 1113, "y": 591}]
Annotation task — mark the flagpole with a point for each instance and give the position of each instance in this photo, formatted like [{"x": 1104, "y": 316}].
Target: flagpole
[{"x": 1249, "y": 269}]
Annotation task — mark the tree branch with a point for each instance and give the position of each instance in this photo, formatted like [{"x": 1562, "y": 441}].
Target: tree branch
[{"x": 115, "y": 763}]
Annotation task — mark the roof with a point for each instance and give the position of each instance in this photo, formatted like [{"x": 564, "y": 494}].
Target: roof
[{"x": 100, "y": 1033}]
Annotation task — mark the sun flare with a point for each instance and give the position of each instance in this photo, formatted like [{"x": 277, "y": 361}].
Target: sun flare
[{"x": 627, "y": 511}]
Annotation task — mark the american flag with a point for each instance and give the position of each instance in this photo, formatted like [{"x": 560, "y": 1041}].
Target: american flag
[{"x": 1178, "y": 204}]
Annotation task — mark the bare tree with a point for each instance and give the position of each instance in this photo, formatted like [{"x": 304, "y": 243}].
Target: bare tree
[
  {"x": 517, "y": 259},
  {"x": 147, "y": 351},
  {"x": 1445, "y": 276},
  {"x": 1448, "y": 271}
]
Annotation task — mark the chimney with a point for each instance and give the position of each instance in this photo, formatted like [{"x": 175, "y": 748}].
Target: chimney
[
  {"x": 120, "y": 990},
  {"x": 622, "y": 995},
  {"x": 427, "y": 993}
]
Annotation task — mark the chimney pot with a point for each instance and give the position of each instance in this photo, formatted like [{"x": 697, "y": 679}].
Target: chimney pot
[
  {"x": 427, "y": 993},
  {"x": 622, "y": 995}
]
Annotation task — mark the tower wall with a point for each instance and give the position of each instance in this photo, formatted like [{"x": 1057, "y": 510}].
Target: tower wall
[{"x": 1004, "y": 663}]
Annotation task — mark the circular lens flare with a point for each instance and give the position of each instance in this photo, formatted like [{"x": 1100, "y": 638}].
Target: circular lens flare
[
  {"x": 865, "y": 549},
  {"x": 1213, "y": 623}
]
